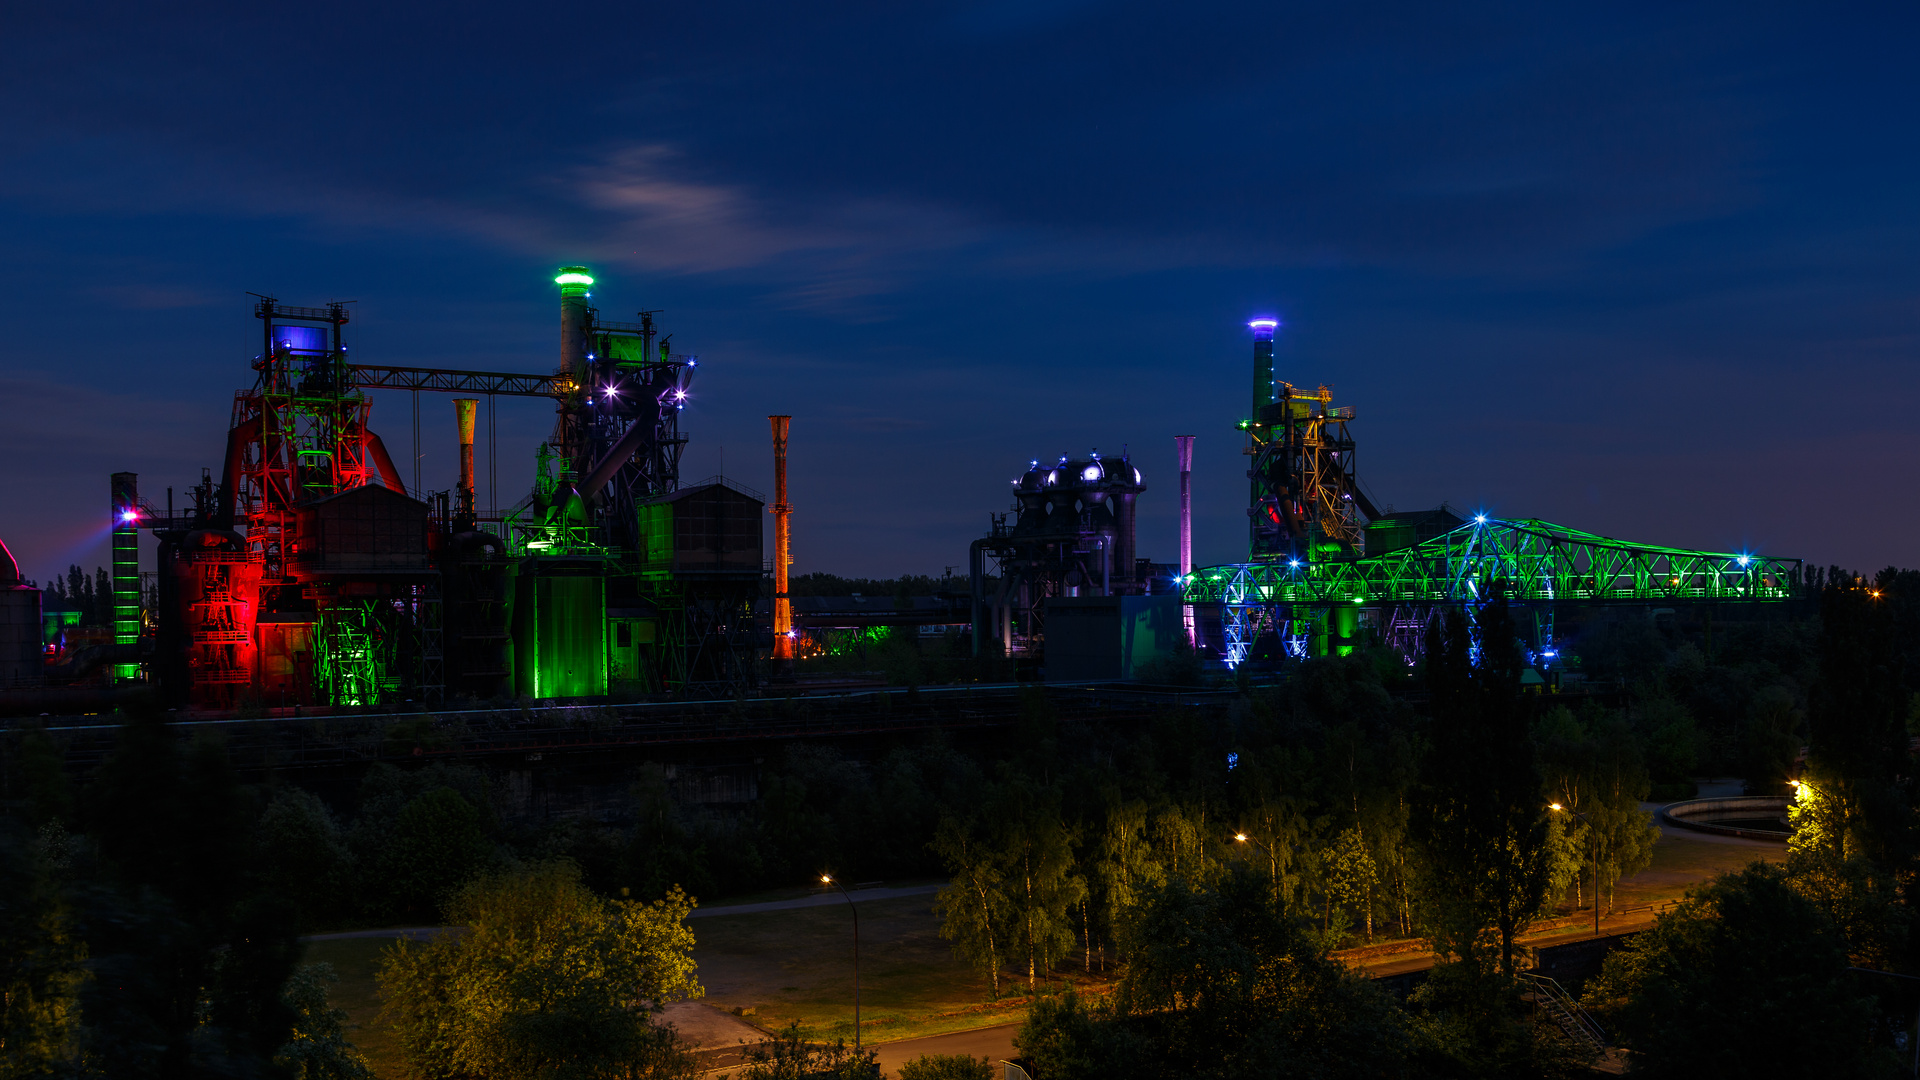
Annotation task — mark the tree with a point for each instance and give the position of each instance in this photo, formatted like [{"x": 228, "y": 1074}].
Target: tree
[
  {"x": 318, "y": 1048},
  {"x": 1620, "y": 834},
  {"x": 1038, "y": 880},
  {"x": 1856, "y": 837},
  {"x": 1595, "y": 772},
  {"x": 548, "y": 981},
  {"x": 1222, "y": 983},
  {"x": 1744, "y": 978},
  {"x": 187, "y": 952},
  {"x": 306, "y": 857},
  {"x": 972, "y": 908},
  {"x": 1480, "y": 819},
  {"x": 439, "y": 842},
  {"x": 40, "y": 965}
]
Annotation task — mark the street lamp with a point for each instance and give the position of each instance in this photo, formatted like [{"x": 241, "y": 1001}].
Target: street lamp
[
  {"x": 828, "y": 879},
  {"x": 1596, "y": 867},
  {"x": 1273, "y": 863}
]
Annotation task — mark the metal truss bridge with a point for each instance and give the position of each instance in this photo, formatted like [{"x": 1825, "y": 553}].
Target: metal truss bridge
[{"x": 1536, "y": 563}]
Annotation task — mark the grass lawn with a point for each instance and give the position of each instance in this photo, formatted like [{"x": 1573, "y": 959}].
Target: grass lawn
[
  {"x": 787, "y": 965},
  {"x": 356, "y": 960},
  {"x": 798, "y": 965}
]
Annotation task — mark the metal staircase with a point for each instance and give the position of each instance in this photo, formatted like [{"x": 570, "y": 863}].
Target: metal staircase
[{"x": 1547, "y": 994}]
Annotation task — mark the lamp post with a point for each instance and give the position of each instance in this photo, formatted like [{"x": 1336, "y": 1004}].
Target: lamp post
[
  {"x": 851, "y": 906},
  {"x": 1596, "y": 865},
  {"x": 1273, "y": 863}
]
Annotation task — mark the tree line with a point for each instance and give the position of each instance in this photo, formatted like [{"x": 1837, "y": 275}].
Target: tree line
[
  {"x": 1374, "y": 801},
  {"x": 1770, "y": 970}
]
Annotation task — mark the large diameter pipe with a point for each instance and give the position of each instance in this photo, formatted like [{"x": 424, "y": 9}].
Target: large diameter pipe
[
  {"x": 782, "y": 606},
  {"x": 463, "y": 412}
]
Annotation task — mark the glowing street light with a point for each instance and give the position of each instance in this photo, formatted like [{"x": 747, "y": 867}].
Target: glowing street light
[{"x": 828, "y": 880}]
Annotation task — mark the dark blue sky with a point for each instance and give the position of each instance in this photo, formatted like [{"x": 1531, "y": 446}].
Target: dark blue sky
[{"x": 1646, "y": 271}]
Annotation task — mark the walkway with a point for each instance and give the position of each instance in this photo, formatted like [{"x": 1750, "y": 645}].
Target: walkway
[{"x": 425, "y": 933}]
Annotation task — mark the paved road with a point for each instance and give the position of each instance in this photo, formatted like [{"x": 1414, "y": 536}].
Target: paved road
[
  {"x": 993, "y": 1043},
  {"x": 819, "y": 900}
]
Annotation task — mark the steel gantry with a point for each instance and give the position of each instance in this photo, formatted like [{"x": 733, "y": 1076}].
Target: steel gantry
[{"x": 1537, "y": 563}]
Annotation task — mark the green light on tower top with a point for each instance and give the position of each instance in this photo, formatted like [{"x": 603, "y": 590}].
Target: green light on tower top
[{"x": 573, "y": 275}]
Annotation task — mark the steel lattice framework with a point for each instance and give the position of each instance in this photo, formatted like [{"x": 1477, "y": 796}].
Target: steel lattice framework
[{"x": 1537, "y": 561}]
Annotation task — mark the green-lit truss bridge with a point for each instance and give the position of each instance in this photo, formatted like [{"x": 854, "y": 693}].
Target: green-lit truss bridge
[{"x": 1538, "y": 563}]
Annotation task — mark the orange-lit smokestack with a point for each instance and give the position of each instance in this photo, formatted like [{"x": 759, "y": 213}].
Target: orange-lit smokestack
[
  {"x": 463, "y": 411},
  {"x": 782, "y": 607}
]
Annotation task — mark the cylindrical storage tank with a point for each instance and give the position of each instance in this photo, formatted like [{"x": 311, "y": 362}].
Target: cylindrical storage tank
[
  {"x": 21, "y": 660},
  {"x": 217, "y": 587}
]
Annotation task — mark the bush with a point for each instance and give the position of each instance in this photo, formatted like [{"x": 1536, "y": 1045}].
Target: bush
[
  {"x": 947, "y": 1067},
  {"x": 548, "y": 980},
  {"x": 789, "y": 1056},
  {"x": 1745, "y": 978}
]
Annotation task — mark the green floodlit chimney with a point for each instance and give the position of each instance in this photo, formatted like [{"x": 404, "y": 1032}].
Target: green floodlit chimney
[
  {"x": 576, "y": 319},
  {"x": 574, "y": 282}
]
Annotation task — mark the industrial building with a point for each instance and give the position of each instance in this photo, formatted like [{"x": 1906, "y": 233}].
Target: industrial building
[
  {"x": 307, "y": 571},
  {"x": 1327, "y": 570}
]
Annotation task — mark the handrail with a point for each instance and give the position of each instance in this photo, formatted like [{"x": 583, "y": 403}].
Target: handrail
[{"x": 1557, "y": 994}]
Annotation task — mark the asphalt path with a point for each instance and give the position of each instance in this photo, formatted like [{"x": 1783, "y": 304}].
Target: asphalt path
[
  {"x": 425, "y": 933},
  {"x": 992, "y": 1043}
]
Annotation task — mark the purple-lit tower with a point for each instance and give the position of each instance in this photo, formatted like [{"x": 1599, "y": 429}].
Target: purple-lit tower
[{"x": 1185, "y": 445}]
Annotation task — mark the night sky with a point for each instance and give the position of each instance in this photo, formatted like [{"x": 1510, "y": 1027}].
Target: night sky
[{"x": 1649, "y": 272}]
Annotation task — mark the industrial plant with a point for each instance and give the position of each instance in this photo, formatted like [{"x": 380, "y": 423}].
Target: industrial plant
[{"x": 306, "y": 572}]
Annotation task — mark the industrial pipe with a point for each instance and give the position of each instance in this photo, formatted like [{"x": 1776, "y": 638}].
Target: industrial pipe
[
  {"x": 463, "y": 412},
  {"x": 782, "y": 606},
  {"x": 619, "y": 455},
  {"x": 976, "y": 577},
  {"x": 383, "y": 462}
]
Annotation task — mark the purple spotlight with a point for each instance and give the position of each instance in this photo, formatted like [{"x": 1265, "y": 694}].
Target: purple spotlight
[{"x": 1263, "y": 328}]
